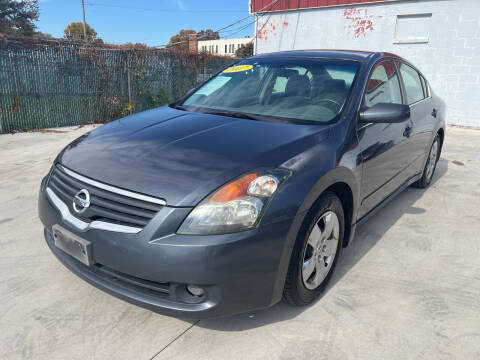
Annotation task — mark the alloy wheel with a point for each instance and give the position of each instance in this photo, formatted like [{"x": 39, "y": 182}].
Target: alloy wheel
[{"x": 320, "y": 250}]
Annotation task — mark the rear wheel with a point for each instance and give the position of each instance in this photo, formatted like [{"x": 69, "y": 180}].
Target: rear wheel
[
  {"x": 430, "y": 166},
  {"x": 316, "y": 251}
]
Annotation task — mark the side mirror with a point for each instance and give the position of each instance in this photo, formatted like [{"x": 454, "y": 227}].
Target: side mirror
[{"x": 385, "y": 113}]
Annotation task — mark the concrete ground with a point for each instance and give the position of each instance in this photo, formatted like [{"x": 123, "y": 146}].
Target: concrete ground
[{"x": 407, "y": 288}]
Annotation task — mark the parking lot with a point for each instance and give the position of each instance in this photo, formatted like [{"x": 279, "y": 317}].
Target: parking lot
[{"x": 407, "y": 288}]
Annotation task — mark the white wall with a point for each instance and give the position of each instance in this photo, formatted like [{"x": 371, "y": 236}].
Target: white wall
[
  {"x": 212, "y": 45},
  {"x": 447, "y": 52}
]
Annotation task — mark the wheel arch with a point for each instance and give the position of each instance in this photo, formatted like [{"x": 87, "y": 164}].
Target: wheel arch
[
  {"x": 343, "y": 191},
  {"x": 342, "y": 182},
  {"x": 441, "y": 133}
]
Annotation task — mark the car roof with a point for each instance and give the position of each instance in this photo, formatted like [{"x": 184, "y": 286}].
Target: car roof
[{"x": 334, "y": 54}]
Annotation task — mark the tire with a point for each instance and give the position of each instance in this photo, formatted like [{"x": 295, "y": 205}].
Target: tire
[
  {"x": 300, "y": 288},
  {"x": 429, "y": 170}
]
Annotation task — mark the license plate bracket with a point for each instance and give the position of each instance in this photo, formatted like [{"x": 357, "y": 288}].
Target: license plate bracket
[{"x": 72, "y": 244}]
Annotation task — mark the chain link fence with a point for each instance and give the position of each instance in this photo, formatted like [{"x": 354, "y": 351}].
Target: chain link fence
[{"x": 47, "y": 84}]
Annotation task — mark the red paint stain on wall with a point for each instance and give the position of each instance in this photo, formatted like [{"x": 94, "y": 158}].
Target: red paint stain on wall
[
  {"x": 266, "y": 29},
  {"x": 360, "y": 23},
  {"x": 262, "y": 33}
]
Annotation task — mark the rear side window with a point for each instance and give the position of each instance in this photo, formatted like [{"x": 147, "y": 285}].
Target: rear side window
[
  {"x": 383, "y": 85},
  {"x": 413, "y": 84},
  {"x": 426, "y": 90}
]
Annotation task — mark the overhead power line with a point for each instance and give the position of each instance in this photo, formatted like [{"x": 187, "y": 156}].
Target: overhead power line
[
  {"x": 269, "y": 6},
  {"x": 219, "y": 31},
  {"x": 161, "y": 10},
  {"x": 236, "y": 31},
  {"x": 264, "y": 24}
]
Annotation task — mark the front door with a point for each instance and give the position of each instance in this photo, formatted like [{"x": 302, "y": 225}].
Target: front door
[{"x": 385, "y": 147}]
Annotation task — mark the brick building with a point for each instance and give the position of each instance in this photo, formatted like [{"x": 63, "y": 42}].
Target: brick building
[{"x": 441, "y": 37}]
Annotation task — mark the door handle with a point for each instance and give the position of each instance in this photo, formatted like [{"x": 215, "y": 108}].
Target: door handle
[
  {"x": 407, "y": 132},
  {"x": 434, "y": 113}
]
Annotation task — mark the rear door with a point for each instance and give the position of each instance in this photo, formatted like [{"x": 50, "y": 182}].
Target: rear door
[
  {"x": 417, "y": 94},
  {"x": 385, "y": 147}
]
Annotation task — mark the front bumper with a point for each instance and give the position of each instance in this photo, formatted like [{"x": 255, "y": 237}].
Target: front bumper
[{"x": 239, "y": 272}]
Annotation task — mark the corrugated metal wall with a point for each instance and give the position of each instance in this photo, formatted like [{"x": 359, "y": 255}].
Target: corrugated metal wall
[
  {"x": 44, "y": 86},
  {"x": 257, "y": 5}
]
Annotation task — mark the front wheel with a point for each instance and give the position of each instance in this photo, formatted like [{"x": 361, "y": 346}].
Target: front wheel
[
  {"x": 316, "y": 251},
  {"x": 430, "y": 166}
]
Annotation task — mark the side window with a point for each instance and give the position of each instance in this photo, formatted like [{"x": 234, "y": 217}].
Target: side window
[
  {"x": 426, "y": 89},
  {"x": 280, "y": 84},
  {"x": 383, "y": 85},
  {"x": 413, "y": 84}
]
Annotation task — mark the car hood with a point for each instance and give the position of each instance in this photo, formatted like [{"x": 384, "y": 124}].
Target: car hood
[{"x": 183, "y": 156}]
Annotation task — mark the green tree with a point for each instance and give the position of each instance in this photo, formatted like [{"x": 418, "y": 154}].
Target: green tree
[
  {"x": 18, "y": 16},
  {"x": 245, "y": 50},
  {"x": 180, "y": 40},
  {"x": 75, "y": 31}
]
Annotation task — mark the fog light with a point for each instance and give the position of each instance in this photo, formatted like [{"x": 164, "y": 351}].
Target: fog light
[{"x": 195, "y": 290}]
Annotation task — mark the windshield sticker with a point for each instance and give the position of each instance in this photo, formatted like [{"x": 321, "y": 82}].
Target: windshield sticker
[{"x": 238, "y": 68}]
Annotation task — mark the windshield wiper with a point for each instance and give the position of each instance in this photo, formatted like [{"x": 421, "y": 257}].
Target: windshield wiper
[
  {"x": 233, "y": 114},
  {"x": 179, "y": 107}
]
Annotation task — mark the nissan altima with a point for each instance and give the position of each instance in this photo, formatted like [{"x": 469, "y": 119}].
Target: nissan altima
[{"x": 246, "y": 190}]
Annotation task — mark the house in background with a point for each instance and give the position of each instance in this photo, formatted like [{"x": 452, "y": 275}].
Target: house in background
[
  {"x": 440, "y": 37},
  {"x": 221, "y": 47}
]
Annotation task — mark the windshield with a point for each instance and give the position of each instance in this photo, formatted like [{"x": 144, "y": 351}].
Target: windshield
[{"x": 305, "y": 89}]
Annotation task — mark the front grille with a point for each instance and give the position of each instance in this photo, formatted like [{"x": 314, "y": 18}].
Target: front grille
[{"x": 107, "y": 206}]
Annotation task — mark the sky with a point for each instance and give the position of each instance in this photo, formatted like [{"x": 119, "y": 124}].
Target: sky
[{"x": 151, "y": 22}]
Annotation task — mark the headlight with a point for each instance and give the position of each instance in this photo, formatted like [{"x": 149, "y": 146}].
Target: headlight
[{"x": 237, "y": 206}]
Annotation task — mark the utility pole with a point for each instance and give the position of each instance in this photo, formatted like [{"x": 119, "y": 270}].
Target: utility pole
[{"x": 84, "y": 23}]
